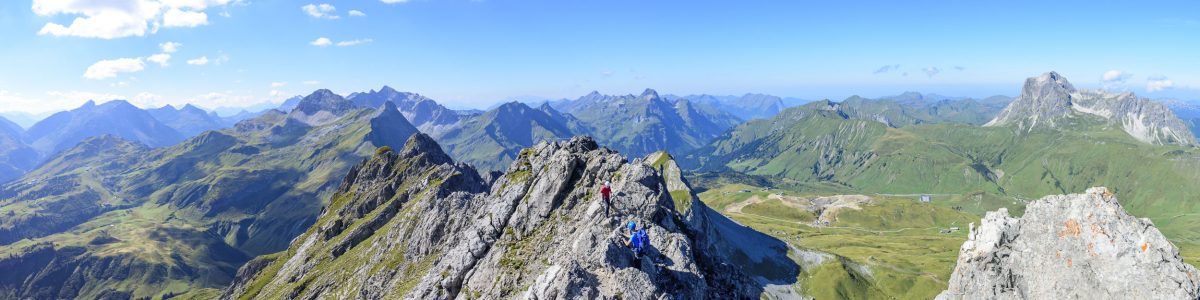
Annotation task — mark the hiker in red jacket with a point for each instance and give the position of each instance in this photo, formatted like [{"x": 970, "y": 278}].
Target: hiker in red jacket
[{"x": 605, "y": 192}]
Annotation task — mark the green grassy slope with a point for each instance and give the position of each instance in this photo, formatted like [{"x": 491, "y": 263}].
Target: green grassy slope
[
  {"x": 977, "y": 168},
  {"x": 193, "y": 212},
  {"x": 890, "y": 249}
]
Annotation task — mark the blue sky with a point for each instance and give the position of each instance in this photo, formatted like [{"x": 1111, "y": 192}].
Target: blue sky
[{"x": 476, "y": 53}]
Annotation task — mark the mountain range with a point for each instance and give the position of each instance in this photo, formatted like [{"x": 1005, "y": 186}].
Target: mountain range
[
  {"x": 643, "y": 124},
  {"x": 388, "y": 194},
  {"x": 23, "y": 149},
  {"x": 187, "y": 120},
  {"x": 114, "y": 217}
]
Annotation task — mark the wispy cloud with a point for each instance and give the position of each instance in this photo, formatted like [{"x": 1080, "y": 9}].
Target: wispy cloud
[
  {"x": 887, "y": 68},
  {"x": 181, "y": 18},
  {"x": 278, "y": 84},
  {"x": 321, "y": 42},
  {"x": 169, "y": 47},
  {"x": 353, "y": 42},
  {"x": 1158, "y": 83},
  {"x": 110, "y": 68},
  {"x": 161, "y": 59},
  {"x": 320, "y": 11},
  {"x": 199, "y": 61},
  {"x": 118, "y": 19},
  {"x": 930, "y": 71},
  {"x": 1114, "y": 78},
  {"x": 356, "y": 13}
]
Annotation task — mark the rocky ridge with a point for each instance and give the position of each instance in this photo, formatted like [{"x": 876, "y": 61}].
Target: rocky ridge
[
  {"x": 416, "y": 225},
  {"x": 1049, "y": 100},
  {"x": 1078, "y": 246}
]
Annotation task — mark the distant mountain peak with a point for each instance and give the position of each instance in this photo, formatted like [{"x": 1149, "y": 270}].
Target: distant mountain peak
[
  {"x": 1052, "y": 80},
  {"x": 649, "y": 94},
  {"x": 388, "y": 90},
  {"x": 191, "y": 107},
  {"x": 1046, "y": 101},
  {"x": 117, "y": 103},
  {"x": 324, "y": 100}
]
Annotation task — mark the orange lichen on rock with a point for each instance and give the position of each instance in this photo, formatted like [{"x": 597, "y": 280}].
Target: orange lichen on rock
[
  {"x": 1070, "y": 228},
  {"x": 1068, "y": 262},
  {"x": 1144, "y": 246}
]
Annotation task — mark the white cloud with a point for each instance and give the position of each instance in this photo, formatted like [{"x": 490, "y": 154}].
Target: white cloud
[
  {"x": 1158, "y": 83},
  {"x": 169, "y": 47},
  {"x": 147, "y": 99},
  {"x": 278, "y": 84},
  {"x": 107, "y": 25},
  {"x": 321, "y": 42},
  {"x": 1114, "y": 78},
  {"x": 355, "y": 13},
  {"x": 195, "y": 4},
  {"x": 124, "y": 18},
  {"x": 353, "y": 42},
  {"x": 887, "y": 68},
  {"x": 161, "y": 59},
  {"x": 312, "y": 82},
  {"x": 930, "y": 71},
  {"x": 109, "y": 68},
  {"x": 179, "y": 18},
  {"x": 320, "y": 11},
  {"x": 199, "y": 61},
  {"x": 50, "y": 101},
  {"x": 394, "y": 1}
]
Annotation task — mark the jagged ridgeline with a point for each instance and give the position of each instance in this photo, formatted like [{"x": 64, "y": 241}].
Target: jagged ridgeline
[
  {"x": 111, "y": 218},
  {"x": 413, "y": 224}
]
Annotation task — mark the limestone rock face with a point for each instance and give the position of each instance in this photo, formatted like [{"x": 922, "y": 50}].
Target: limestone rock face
[
  {"x": 415, "y": 225},
  {"x": 1078, "y": 246},
  {"x": 1049, "y": 101}
]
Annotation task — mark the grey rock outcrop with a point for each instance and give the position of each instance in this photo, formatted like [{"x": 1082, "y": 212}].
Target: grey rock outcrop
[
  {"x": 1078, "y": 246},
  {"x": 415, "y": 225},
  {"x": 1049, "y": 101}
]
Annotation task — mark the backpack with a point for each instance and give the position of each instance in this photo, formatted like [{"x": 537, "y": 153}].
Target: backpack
[{"x": 639, "y": 241}]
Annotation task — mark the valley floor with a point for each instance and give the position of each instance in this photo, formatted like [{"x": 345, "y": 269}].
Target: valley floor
[{"x": 890, "y": 247}]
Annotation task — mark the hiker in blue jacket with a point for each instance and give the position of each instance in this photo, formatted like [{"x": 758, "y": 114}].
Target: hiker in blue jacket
[{"x": 636, "y": 239}]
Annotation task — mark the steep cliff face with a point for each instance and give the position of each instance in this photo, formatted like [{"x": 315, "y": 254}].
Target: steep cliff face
[
  {"x": 1049, "y": 101},
  {"x": 416, "y": 225},
  {"x": 1078, "y": 246}
]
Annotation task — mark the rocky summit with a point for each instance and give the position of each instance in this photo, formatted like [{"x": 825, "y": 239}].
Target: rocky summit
[
  {"x": 1078, "y": 246},
  {"x": 414, "y": 224},
  {"x": 1050, "y": 101}
]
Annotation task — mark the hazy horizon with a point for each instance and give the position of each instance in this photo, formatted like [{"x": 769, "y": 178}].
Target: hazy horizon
[{"x": 474, "y": 54}]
